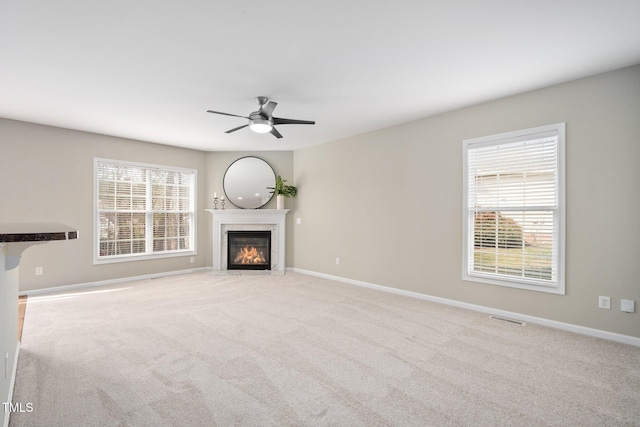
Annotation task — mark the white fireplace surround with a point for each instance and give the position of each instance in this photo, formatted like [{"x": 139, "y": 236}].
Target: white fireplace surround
[{"x": 225, "y": 220}]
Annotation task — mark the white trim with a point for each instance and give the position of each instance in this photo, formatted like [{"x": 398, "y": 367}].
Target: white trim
[
  {"x": 274, "y": 217},
  {"x": 144, "y": 257},
  {"x": 12, "y": 383},
  {"x": 149, "y": 255},
  {"x": 611, "y": 336},
  {"x": 110, "y": 282},
  {"x": 557, "y": 286}
]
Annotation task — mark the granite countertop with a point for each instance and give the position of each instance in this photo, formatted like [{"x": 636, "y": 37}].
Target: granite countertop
[{"x": 11, "y": 232}]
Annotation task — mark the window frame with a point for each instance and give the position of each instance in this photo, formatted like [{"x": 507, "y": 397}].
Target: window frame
[
  {"x": 468, "y": 213},
  {"x": 148, "y": 212}
]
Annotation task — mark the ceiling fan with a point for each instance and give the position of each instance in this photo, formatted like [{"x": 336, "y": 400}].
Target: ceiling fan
[{"x": 262, "y": 121}]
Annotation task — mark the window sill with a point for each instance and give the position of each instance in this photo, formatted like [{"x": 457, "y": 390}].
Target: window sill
[
  {"x": 143, "y": 257},
  {"x": 557, "y": 289}
]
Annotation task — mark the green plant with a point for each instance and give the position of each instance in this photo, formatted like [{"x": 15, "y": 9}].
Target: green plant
[
  {"x": 492, "y": 229},
  {"x": 284, "y": 189}
]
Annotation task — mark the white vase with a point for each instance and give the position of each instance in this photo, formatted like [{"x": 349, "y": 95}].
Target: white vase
[{"x": 280, "y": 201}]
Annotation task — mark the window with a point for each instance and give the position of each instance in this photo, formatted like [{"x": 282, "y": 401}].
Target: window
[
  {"x": 514, "y": 209},
  {"x": 142, "y": 211}
]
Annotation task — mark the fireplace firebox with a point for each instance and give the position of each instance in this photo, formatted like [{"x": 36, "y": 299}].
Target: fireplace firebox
[{"x": 249, "y": 250}]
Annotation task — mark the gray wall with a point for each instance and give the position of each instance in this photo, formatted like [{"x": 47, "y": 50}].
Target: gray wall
[
  {"x": 389, "y": 203},
  {"x": 47, "y": 175}
]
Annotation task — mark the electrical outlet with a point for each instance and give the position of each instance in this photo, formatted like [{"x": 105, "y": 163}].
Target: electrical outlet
[
  {"x": 39, "y": 271},
  {"x": 627, "y": 305},
  {"x": 192, "y": 259},
  {"x": 298, "y": 220},
  {"x": 337, "y": 261},
  {"x": 604, "y": 302}
]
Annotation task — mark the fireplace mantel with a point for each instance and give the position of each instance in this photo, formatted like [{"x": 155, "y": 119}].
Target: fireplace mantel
[{"x": 246, "y": 219}]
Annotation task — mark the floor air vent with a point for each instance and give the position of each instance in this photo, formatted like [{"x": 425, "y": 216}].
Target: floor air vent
[{"x": 504, "y": 319}]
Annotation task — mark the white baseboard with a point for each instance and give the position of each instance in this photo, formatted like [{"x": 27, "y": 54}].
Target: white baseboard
[
  {"x": 12, "y": 383},
  {"x": 612, "y": 336},
  {"x": 110, "y": 282}
]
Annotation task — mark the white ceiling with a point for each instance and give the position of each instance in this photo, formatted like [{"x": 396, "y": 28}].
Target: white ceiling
[{"x": 149, "y": 69}]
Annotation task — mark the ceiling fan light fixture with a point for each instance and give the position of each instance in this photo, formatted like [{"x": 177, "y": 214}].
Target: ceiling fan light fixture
[
  {"x": 260, "y": 125},
  {"x": 262, "y": 121}
]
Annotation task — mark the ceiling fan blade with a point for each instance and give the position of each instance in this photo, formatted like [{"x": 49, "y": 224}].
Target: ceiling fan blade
[
  {"x": 267, "y": 109},
  {"x": 226, "y": 114},
  {"x": 275, "y": 133},
  {"x": 279, "y": 121},
  {"x": 235, "y": 129}
]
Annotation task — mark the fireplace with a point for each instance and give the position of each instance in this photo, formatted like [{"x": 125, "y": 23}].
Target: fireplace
[
  {"x": 226, "y": 220},
  {"x": 249, "y": 250}
]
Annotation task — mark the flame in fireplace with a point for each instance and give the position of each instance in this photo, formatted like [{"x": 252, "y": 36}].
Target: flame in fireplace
[{"x": 249, "y": 256}]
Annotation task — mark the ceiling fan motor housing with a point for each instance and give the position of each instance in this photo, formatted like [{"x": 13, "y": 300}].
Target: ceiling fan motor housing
[{"x": 258, "y": 123}]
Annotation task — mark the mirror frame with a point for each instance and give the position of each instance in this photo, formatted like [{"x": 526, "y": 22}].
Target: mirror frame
[{"x": 233, "y": 198}]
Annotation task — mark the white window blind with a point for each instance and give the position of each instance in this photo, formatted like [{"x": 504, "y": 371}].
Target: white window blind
[
  {"x": 514, "y": 201},
  {"x": 143, "y": 210}
]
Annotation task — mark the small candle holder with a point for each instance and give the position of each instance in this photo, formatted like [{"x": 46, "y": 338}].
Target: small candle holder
[
  {"x": 215, "y": 203},
  {"x": 223, "y": 204}
]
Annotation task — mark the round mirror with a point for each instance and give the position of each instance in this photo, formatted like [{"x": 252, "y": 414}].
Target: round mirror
[{"x": 248, "y": 183}]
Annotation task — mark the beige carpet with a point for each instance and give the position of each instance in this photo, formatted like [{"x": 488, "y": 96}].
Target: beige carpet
[{"x": 203, "y": 350}]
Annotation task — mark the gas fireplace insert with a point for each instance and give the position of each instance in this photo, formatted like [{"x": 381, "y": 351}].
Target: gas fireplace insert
[{"x": 249, "y": 250}]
